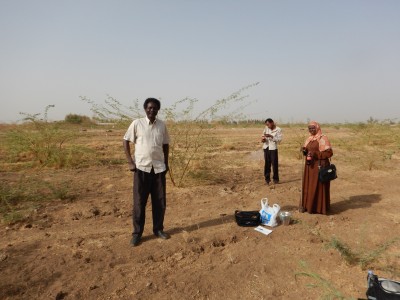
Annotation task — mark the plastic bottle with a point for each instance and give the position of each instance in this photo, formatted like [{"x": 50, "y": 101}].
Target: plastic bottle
[
  {"x": 309, "y": 158},
  {"x": 369, "y": 278}
]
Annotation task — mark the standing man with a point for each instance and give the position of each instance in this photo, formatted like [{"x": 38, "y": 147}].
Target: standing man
[
  {"x": 271, "y": 137},
  {"x": 149, "y": 168}
]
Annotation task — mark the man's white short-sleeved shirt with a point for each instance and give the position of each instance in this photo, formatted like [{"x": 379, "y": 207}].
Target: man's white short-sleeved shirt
[
  {"x": 149, "y": 140},
  {"x": 272, "y": 143}
]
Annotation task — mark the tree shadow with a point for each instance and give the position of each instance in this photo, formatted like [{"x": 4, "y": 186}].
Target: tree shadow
[
  {"x": 225, "y": 219},
  {"x": 355, "y": 202}
]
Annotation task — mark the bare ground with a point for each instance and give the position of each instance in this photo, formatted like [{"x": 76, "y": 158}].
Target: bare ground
[{"x": 80, "y": 249}]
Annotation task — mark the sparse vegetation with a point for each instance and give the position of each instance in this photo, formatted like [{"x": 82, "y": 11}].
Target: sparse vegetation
[
  {"x": 371, "y": 144},
  {"x": 344, "y": 250},
  {"x": 43, "y": 143},
  {"x": 77, "y": 119},
  {"x": 224, "y": 174},
  {"x": 191, "y": 131},
  {"x": 18, "y": 198},
  {"x": 363, "y": 257},
  {"x": 327, "y": 288}
]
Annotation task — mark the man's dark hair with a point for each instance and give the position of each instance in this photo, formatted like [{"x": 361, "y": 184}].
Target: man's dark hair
[
  {"x": 269, "y": 120},
  {"x": 154, "y": 100}
]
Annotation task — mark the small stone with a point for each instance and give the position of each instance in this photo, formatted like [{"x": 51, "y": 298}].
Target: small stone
[
  {"x": 80, "y": 241},
  {"x": 178, "y": 256}
]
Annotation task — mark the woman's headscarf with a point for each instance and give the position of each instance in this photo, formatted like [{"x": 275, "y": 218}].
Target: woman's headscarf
[{"x": 322, "y": 139}]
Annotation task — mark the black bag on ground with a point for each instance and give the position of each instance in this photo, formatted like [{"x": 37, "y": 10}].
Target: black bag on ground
[
  {"x": 382, "y": 289},
  {"x": 327, "y": 173},
  {"x": 247, "y": 218}
]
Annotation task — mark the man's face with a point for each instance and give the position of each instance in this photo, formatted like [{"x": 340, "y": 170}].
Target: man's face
[
  {"x": 151, "y": 110},
  {"x": 270, "y": 125}
]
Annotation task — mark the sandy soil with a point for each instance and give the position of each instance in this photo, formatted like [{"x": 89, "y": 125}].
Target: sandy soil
[{"x": 80, "y": 249}]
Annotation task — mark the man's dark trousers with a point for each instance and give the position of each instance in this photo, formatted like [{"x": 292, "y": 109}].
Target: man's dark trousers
[
  {"x": 145, "y": 184},
  {"x": 271, "y": 158}
]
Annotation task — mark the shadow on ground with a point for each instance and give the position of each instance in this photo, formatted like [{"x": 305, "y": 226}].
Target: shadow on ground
[
  {"x": 355, "y": 202},
  {"x": 209, "y": 223},
  {"x": 198, "y": 226}
]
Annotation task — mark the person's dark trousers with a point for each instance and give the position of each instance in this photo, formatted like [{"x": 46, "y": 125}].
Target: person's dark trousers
[
  {"x": 145, "y": 184},
  {"x": 271, "y": 158}
]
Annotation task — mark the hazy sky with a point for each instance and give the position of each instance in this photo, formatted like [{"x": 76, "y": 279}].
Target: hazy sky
[{"x": 333, "y": 61}]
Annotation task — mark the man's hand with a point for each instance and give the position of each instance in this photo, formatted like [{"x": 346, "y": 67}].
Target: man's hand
[
  {"x": 132, "y": 167},
  {"x": 131, "y": 162},
  {"x": 166, "y": 168}
]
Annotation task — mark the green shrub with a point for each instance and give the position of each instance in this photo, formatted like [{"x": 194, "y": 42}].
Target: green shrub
[
  {"x": 43, "y": 143},
  {"x": 77, "y": 119}
]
